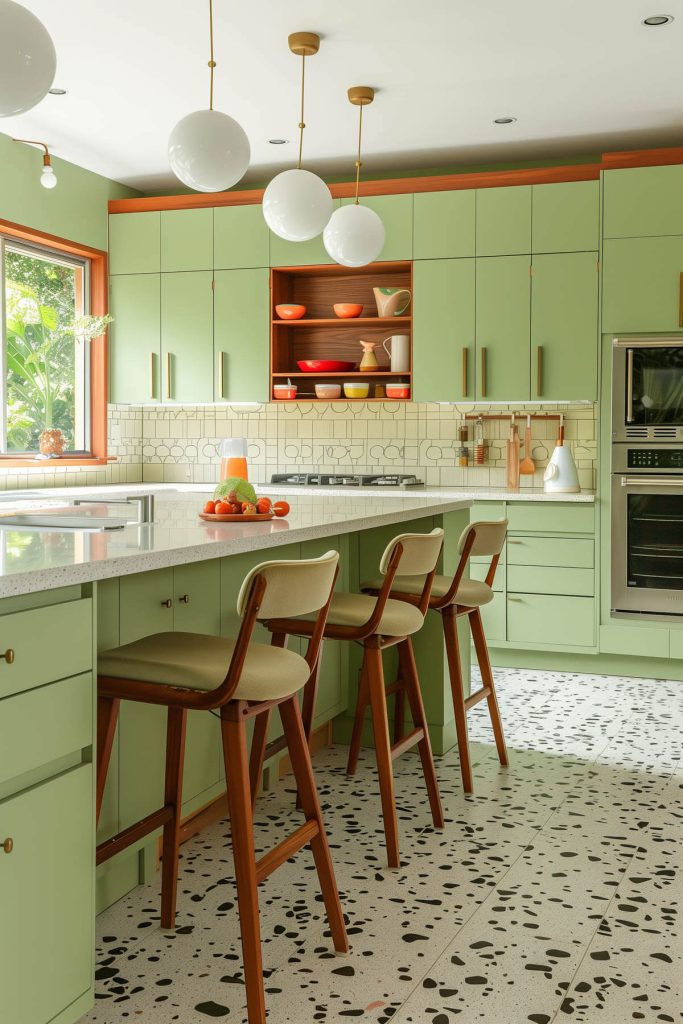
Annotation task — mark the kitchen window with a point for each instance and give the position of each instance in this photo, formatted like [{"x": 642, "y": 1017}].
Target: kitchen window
[{"x": 53, "y": 352}]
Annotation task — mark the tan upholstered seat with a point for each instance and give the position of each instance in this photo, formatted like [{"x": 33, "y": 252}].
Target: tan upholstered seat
[
  {"x": 398, "y": 618},
  {"x": 195, "y": 661},
  {"x": 470, "y": 593}
]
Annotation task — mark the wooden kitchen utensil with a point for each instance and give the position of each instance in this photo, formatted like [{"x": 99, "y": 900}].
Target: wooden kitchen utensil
[
  {"x": 527, "y": 465},
  {"x": 513, "y": 457}
]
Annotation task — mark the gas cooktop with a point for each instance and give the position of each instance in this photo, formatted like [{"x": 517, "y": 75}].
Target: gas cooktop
[{"x": 346, "y": 480}]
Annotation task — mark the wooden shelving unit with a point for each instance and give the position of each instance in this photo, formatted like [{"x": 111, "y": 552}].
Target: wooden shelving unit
[{"x": 321, "y": 335}]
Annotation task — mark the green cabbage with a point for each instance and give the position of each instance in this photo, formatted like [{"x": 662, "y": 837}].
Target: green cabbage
[{"x": 242, "y": 490}]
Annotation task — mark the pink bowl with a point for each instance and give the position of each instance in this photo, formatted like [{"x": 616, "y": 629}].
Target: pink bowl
[{"x": 290, "y": 311}]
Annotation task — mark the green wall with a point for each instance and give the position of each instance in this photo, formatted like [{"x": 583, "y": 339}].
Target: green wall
[{"x": 76, "y": 209}]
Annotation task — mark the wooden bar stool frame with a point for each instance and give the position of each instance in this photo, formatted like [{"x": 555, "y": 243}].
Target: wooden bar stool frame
[{"x": 234, "y": 714}]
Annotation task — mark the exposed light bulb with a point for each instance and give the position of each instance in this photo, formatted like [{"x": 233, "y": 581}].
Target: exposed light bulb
[{"x": 48, "y": 178}]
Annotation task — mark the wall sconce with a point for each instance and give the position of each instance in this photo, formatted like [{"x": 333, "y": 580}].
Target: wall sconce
[{"x": 48, "y": 178}]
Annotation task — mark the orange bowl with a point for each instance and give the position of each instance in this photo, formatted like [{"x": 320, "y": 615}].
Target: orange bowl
[
  {"x": 290, "y": 311},
  {"x": 346, "y": 310}
]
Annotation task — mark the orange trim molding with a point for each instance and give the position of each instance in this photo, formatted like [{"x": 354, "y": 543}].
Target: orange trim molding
[
  {"x": 643, "y": 158},
  {"x": 99, "y": 360}
]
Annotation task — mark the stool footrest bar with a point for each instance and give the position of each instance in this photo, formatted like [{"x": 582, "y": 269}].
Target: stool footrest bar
[
  {"x": 286, "y": 849},
  {"x": 110, "y": 847},
  {"x": 475, "y": 698},
  {"x": 407, "y": 742}
]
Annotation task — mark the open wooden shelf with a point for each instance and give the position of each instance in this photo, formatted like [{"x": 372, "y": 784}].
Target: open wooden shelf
[
  {"x": 349, "y": 373},
  {"x": 338, "y": 321}
]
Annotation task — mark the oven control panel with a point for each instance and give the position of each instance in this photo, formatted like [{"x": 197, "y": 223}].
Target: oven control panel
[{"x": 655, "y": 458}]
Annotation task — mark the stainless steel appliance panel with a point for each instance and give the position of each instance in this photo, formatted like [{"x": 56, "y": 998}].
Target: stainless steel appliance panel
[{"x": 647, "y": 389}]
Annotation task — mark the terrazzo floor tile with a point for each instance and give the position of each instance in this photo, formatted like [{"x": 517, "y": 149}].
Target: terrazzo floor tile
[{"x": 552, "y": 893}]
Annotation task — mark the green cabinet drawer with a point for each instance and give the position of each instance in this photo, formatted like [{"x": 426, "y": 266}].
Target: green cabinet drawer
[
  {"x": 504, "y": 221},
  {"x": 134, "y": 338},
  {"x": 642, "y": 284},
  {"x": 135, "y": 243},
  {"x": 487, "y": 511},
  {"x": 551, "y": 619},
  {"x": 641, "y": 201},
  {"x": 494, "y": 617},
  {"x": 503, "y": 319},
  {"x": 550, "y": 517},
  {"x": 443, "y": 330},
  {"x": 299, "y": 254},
  {"x": 240, "y": 237},
  {"x": 46, "y": 895},
  {"x": 630, "y": 638},
  {"x": 560, "y": 551},
  {"x": 42, "y": 725},
  {"x": 444, "y": 224},
  {"x": 242, "y": 335},
  {"x": 186, "y": 240},
  {"x": 145, "y": 604},
  {"x": 396, "y": 213},
  {"x": 565, "y": 217},
  {"x": 676, "y": 643},
  {"x": 48, "y": 643},
  {"x": 544, "y": 579},
  {"x": 187, "y": 336}
]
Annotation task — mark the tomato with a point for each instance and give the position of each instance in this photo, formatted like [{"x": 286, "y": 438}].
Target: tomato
[
  {"x": 235, "y": 508},
  {"x": 263, "y": 506},
  {"x": 248, "y": 508},
  {"x": 281, "y": 508},
  {"x": 210, "y": 508},
  {"x": 222, "y": 508}
]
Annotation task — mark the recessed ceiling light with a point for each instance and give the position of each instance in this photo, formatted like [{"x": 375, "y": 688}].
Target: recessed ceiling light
[
  {"x": 57, "y": 92},
  {"x": 278, "y": 142},
  {"x": 658, "y": 19},
  {"x": 504, "y": 120}
]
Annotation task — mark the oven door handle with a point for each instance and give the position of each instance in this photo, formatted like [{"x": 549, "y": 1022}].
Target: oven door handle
[
  {"x": 652, "y": 481},
  {"x": 629, "y": 385}
]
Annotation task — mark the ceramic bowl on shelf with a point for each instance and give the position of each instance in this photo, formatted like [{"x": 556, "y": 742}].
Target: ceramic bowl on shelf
[
  {"x": 356, "y": 389},
  {"x": 284, "y": 392},
  {"x": 325, "y": 366},
  {"x": 347, "y": 310},
  {"x": 328, "y": 390},
  {"x": 290, "y": 311},
  {"x": 398, "y": 390}
]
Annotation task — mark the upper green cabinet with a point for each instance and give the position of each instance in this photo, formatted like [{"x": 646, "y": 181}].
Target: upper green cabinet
[
  {"x": 241, "y": 335},
  {"x": 187, "y": 336},
  {"x": 186, "y": 240},
  {"x": 299, "y": 254},
  {"x": 396, "y": 213},
  {"x": 504, "y": 221},
  {"x": 135, "y": 243},
  {"x": 443, "y": 330},
  {"x": 240, "y": 237},
  {"x": 565, "y": 217},
  {"x": 503, "y": 329},
  {"x": 642, "y": 201},
  {"x": 135, "y": 338},
  {"x": 444, "y": 224},
  {"x": 642, "y": 284},
  {"x": 564, "y": 326}
]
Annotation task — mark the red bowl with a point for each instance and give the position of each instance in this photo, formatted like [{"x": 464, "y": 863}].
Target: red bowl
[
  {"x": 325, "y": 366},
  {"x": 290, "y": 311}
]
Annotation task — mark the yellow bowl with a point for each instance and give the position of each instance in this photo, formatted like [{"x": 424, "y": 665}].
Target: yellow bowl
[{"x": 356, "y": 390}]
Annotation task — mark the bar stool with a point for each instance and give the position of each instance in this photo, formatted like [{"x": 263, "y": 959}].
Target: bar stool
[
  {"x": 242, "y": 680},
  {"x": 452, "y": 598},
  {"x": 379, "y": 623}
]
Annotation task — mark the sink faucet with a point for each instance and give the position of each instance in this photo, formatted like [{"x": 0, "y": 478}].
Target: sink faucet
[{"x": 144, "y": 501}]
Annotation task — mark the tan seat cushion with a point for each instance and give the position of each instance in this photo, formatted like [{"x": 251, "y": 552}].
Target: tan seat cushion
[
  {"x": 198, "y": 662},
  {"x": 471, "y": 593},
  {"x": 399, "y": 619}
]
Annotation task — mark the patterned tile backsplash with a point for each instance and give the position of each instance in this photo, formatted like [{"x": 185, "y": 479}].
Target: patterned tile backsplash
[{"x": 180, "y": 443}]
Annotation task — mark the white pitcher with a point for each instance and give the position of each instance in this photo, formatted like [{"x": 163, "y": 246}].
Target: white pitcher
[{"x": 399, "y": 353}]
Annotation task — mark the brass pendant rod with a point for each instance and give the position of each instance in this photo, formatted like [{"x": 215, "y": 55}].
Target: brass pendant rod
[
  {"x": 358, "y": 160},
  {"x": 302, "y": 124},
  {"x": 212, "y": 62}
]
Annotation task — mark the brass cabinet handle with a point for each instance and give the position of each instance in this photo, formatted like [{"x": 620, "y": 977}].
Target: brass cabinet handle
[
  {"x": 185, "y": 599},
  {"x": 168, "y": 603},
  {"x": 483, "y": 373},
  {"x": 464, "y": 371},
  {"x": 680, "y": 303},
  {"x": 151, "y": 375},
  {"x": 8, "y": 655},
  {"x": 168, "y": 374},
  {"x": 221, "y": 374},
  {"x": 8, "y": 845},
  {"x": 539, "y": 370}
]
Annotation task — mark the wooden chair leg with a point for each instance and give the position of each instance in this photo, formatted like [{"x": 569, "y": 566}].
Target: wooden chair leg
[
  {"x": 482, "y": 651},
  {"x": 258, "y": 751},
  {"x": 310, "y": 695},
  {"x": 233, "y": 732},
  {"x": 380, "y": 727},
  {"x": 300, "y": 756},
  {"x": 176, "y": 727},
  {"x": 356, "y": 735},
  {"x": 450, "y": 629},
  {"x": 399, "y": 708},
  {"x": 412, "y": 682},
  {"x": 107, "y": 717}
]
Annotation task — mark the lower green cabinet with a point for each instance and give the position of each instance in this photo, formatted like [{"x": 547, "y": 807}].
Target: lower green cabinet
[
  {"x": 46, "y": 898},
  {"x": 241, "y": 335},
  {"x": 494, "y": 618},
  {"x": 550, "y": 619},
  {"x": 642, "y": 284}
]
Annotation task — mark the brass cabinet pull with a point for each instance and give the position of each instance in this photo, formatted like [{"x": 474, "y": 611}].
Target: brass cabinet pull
[
  {"x": 464, "y": 372},
  {"x": 680, "y": 303},
  {"x": 151, "y": 375},
  {"x": 8, "y": 845},
  {"x": 185, "y": 599},
  {"x": 168, "y": 374},
  {"x": 221, "y": 374},
  {"x": 168, "y": 603},
  {"x": 539, "y": 370},
  {"x": 483, "y": 373},
  {"x": 8, "y": 655}
]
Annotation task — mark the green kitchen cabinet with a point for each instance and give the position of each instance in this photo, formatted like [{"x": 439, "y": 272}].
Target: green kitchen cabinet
[
  {"x": 564, "y": 326},
  {"x": 134, "y": 338},
  {"x": 641, "y": 288},
  {"x": 241, "y": 335},
  {"x": 186, "y": 240},
  {"x": 565, "y": 217},
  {"x": 503, "y": 329},
  {"x": 145, "y": 604},
  {"x": 550, "y": 619},
  {"x": 46, "y": 896},
  {"x": 551, "y": 517},
  {"x": 187, "y": 336},
  {"x": 196, "y": 597},
  {"x": 396, "y": 213},
  {"x": 642, "y": 201},
  {"x": 299, "y": 254},
  {"x": 135, "y": 243},
  {"x": 240, "y": 237},
  {"x": 504, "y": 221},
  {"x": 443, "y": 330},
  {"x": 444, "y": 224}
]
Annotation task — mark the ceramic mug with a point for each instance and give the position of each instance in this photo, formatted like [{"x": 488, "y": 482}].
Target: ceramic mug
[
  {"x": 392, "y": 301},
  {"x": 399, "y": 353}
]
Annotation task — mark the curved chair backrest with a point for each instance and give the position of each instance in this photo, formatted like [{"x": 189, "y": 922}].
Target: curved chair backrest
[
  {"x": 293, "y": 587},
  {"x": 489, "y": 538},
  {"x": 419, "y": 555}
]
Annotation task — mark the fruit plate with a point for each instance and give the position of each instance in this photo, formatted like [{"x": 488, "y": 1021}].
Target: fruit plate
[{"x": 255, "y": 517}]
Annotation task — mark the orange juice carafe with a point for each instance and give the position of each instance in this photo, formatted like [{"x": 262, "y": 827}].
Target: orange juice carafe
[{"x": 234, "y": 458}]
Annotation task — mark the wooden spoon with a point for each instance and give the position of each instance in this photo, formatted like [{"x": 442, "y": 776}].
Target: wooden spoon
[{"x": 527, "y": 466}]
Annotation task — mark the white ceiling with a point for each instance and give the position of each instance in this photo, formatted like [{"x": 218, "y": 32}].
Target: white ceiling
[{"x": 580, "y": 76}]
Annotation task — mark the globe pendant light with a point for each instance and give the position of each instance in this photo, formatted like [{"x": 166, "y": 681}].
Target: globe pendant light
[
  {"x": 297, "y": 203},
  {"x": 355, "y": 234},
  {"x": 27, "y": 59},
  {"x": 48, "y": 178},
  {"x": 209, "y": 151}
]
